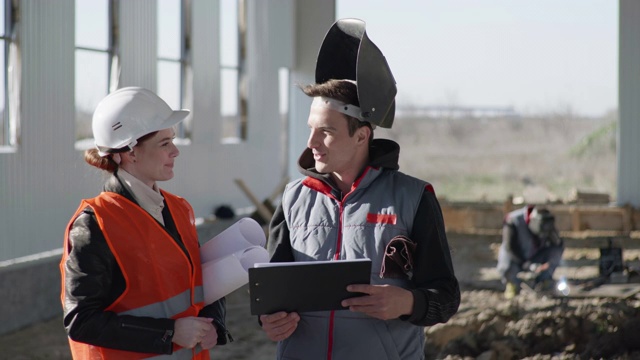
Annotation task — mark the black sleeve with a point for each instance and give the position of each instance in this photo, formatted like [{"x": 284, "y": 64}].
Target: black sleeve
[
  {"x": 511, "y": 243},
  {"x": 218, "y": 311},
  {"x": 89, "y": 274},
  {"x": 436, "y": 294},
  {"x": 555, "y": 240},
  {"x": 279, "y": 243}
]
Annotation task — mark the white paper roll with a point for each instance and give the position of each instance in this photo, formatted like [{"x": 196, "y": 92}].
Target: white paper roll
[
  {"x": 222, "y": 276},
  {"x": 242, "y": 235},
  {"x": 252, "y": 255}
]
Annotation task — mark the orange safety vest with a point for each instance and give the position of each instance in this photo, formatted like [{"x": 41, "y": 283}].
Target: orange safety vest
[{"x": 161, "y": 282}]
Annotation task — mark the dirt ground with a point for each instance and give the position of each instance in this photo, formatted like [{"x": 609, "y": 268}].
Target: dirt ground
[
  {"x": 486, "y": 326},
  {"x": 592, "y": 319}
]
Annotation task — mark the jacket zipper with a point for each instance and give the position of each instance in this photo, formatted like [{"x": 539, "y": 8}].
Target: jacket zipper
[
  {"x": 228, "y": 335},
  {"x": 335, "y": 257}
]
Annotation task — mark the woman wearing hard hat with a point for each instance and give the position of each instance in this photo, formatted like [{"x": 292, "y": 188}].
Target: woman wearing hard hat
[{"x": 131, "y": 274}]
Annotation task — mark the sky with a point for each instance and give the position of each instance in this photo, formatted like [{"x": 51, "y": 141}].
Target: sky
[
  {"x": 537, "y": 56},
  {"x": 542, "y": 56}
]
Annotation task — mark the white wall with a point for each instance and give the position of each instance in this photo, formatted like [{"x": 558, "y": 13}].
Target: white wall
[
  {"x": 42, "y": 181},
  {"x": 206, "y": 169},
  {"x": 313, "y": 19}
]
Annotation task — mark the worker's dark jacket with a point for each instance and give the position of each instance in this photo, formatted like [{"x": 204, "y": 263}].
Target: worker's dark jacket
[{"x": 518, "y": 242}]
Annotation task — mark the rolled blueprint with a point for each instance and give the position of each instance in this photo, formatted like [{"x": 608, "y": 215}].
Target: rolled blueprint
[
  {"x": 222, "y": 276},
  {"x": 227, "y": 257},
  {"x": 243, "y": 234}
]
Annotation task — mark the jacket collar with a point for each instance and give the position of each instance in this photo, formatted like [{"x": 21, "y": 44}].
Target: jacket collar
[
  {"x": 115, "y": 185},
  {"x": 383, "y": 154}
]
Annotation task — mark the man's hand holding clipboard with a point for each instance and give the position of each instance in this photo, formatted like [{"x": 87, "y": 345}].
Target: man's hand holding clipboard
[
  {"x": 279, "y": 291},
  {"x": 306, "y": 285},
  {"x": 321, "y": 285}
]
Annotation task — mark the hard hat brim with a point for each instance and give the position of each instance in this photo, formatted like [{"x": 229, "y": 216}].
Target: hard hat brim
[{"x": 175, "y": 118}]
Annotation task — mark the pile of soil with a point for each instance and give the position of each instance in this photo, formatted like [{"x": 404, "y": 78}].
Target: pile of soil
[
  {"x": 593, "y": 325},
  {"x": 537, "y": 327}
]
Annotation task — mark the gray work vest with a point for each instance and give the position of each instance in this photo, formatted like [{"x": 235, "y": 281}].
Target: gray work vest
[{"x": 381, "y": 205}]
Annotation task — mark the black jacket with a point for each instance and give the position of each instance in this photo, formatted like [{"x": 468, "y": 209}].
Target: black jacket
[{"x": 93, "y": 280}]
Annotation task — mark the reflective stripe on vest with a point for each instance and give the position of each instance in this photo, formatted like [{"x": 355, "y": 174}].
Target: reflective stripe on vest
[
  {"x": 171, "y": 307},
  {"x": 182, "y": 354},
  {"x": 88, "y": 352}
]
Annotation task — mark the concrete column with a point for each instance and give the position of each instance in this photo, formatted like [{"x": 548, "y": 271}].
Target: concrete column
[
  {"x": 629, "y": 106},
  {"x": 313, "y": 19}
]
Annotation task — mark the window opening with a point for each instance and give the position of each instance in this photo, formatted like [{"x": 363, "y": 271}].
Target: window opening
[
  {"x": 9, "y": 77},
  {"x": 96, "y": 71},
  {"x": 174, "y": 67},
  {"x": 233, "y": 81}
]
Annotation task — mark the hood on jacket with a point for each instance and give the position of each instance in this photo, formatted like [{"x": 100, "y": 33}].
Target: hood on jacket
[{"x": 383, "y": 153}]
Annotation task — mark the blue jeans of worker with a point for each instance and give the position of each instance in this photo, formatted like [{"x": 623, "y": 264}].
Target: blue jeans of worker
[{"x": 509, "y": 269}]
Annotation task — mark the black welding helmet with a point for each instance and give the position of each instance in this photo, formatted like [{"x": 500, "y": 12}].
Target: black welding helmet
[{"x": 347, "y": 53}]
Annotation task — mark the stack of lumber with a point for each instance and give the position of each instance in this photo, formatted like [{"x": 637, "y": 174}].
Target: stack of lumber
[{"x": 584, "y": 197}]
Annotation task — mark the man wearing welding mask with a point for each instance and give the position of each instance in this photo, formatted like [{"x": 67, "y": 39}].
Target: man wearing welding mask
[
  {"x": 530, "y": 243},
  {"x": 353, "y": 203}
]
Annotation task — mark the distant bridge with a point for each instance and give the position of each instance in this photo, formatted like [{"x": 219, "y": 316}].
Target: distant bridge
[{"x": 449, "y": 111}]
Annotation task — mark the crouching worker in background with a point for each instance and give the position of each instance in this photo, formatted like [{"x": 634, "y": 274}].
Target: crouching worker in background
[
  {"x": 131, "y": 274},
  {"x": 530, "y": 242}
]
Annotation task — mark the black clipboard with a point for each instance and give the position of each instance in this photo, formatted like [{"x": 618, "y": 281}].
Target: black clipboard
[{"x": 305, "y": 286}]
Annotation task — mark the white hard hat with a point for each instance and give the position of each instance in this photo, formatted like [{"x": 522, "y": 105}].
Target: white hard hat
[{"x": 127, "y": 114}]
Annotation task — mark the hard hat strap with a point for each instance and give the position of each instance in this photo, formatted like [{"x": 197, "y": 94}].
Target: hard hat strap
[{"x": 104, "y": 151}]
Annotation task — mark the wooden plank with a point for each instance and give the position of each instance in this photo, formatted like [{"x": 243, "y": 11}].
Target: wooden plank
[
  {"x": 619, "y": 291},
  {"x": 580, "y": 197},
  {"x": 575, "y": 219},
  {"x": 470, "y": 217},
  {"x": 261, "y": 208}
]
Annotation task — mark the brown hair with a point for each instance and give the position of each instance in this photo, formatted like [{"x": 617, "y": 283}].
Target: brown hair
[
  {"x": 106, "y": 163},
  {"x": 344, "y": 91}
]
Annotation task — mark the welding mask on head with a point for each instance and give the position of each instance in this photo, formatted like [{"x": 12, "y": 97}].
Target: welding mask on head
[{"x": 347, "y": 53}]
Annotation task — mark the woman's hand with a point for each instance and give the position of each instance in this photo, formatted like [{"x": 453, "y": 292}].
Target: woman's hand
[
  {"x": 189, "y": 331},
  {"x": 210, "y": 339}
]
